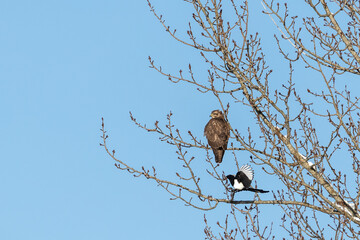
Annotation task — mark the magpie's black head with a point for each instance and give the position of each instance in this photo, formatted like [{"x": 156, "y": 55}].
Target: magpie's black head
[{"x": 231, "y": 178}]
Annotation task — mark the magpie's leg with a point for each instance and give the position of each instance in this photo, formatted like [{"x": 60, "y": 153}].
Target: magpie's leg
[{"x": 232, "y": 196}]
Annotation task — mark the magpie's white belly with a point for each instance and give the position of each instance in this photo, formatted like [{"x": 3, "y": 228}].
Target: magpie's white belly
[{"x": 238, "y": 185}]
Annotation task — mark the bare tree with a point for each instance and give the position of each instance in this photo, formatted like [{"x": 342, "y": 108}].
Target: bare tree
[{"x": 319, "y": 200}]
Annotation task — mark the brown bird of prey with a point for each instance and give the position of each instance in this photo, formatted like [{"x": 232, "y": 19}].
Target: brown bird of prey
[{"x": 217, "y": 132}]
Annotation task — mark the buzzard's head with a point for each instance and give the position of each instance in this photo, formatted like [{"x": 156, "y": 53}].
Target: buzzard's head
[{"x": 216, "y": 114}]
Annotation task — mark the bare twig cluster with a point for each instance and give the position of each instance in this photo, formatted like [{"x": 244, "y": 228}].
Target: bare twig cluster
[{"x": 286, "y": 142}]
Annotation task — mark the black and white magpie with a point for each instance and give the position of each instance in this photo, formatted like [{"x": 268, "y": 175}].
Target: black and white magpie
[{"x": 242, "y": 180}]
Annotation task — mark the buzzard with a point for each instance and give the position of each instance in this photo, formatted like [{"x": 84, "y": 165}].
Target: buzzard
[
  {"x": 217, "y": 132},
  {"x": 242, "y": 180}
]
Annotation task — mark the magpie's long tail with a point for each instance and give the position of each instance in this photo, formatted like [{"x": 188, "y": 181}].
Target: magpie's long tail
[{"x": 256, "y": 190}]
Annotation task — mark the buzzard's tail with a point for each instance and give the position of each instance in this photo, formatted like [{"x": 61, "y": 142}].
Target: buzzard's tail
[
  {"x": 219, "y": 154},
  {"x": 256, "y": 190}
]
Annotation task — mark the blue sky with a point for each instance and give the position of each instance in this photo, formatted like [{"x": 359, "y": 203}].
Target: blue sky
[{"x": 63, "y": 66}]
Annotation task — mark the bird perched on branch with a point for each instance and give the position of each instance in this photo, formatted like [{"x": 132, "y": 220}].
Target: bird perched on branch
[
  {"x": 217, "y": 132},
  {"x": 242, "y": 180}
]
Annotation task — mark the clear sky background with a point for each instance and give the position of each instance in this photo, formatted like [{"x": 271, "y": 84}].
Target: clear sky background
[{"x": 63, "y": 66}]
